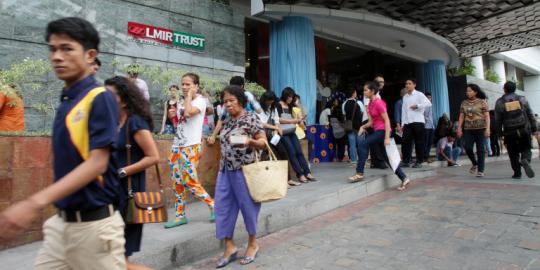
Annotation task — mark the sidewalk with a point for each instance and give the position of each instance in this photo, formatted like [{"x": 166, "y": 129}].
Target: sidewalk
[{"x": 166, "y": 249}]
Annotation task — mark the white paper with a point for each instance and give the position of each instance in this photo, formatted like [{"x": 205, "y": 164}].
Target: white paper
[
  {"x": 275, "y": 139},
  {"x": 393, "y": 154},
  {"x": 238, "y": 139}
]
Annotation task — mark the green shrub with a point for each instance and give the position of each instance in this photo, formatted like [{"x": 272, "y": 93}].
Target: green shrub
[{"x": 491, "y": 76}]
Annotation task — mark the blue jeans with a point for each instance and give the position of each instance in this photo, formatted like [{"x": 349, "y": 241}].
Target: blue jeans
[
  {"x": 364, "y": 142},
  {"x": 353, "y": 141},
  {"x": 452, "y": 153},
  {"x": 296, "y": 157}
]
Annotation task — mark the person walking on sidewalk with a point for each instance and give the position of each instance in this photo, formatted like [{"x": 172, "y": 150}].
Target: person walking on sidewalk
[
  {"x": 413, "y": 124},
  {"x": 474, "y": 127},
  {"x": 186, "y": 149},
  {"x": 516, "y": 121},
  {"x": 242, "y": 135},
  {"x": 380, "y": 122},
  {"x": 88, "y": 231},
  {"x": 135, "y": 125}
]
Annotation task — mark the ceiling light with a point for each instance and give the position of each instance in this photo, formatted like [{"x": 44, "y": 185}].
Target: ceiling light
[{"x": 337, "y": 48}]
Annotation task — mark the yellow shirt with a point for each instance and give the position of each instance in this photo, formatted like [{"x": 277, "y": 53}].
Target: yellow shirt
[{"x": 299, "y": 130}]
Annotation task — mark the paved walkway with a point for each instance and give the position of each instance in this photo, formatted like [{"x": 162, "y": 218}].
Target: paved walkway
[{"x": 452, "y": 221}]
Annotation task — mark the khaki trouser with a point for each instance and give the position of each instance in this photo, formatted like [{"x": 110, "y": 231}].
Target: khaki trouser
[{"x": 85, "y": 245}]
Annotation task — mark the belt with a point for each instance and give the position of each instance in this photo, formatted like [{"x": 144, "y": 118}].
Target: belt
[{"x": 88, "y": 215}]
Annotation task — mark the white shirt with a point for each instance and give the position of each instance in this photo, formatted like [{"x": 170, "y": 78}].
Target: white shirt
[
  {"x": 408, "y": 115},
  {"x": 265, "y": 115},
  {"x": 323, "y": 118},
  {"x": 143, "y": 87},
  {"x": 189, "y": 130}
]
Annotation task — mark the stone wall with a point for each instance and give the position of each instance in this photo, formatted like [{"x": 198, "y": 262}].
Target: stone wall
[
  {"x": 23, "y": 25},
  {"x": 26, "y": 168}
]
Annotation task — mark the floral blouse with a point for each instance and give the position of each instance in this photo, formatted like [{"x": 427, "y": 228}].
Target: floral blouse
[{"x": 232, "y": 158}]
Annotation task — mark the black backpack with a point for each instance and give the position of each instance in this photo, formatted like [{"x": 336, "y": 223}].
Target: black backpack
[{"x": 514, "y": 117}]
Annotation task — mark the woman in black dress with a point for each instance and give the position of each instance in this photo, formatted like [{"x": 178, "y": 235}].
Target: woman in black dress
[{"x": 135, "y": 122}]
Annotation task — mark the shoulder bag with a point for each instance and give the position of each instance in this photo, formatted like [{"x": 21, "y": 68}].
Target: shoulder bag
[
  {"x": 266, "y": 180},
  {"x": 144, "y": 207}
]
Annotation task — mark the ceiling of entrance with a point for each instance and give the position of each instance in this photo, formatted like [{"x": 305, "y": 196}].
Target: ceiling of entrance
[{"x": 475, "y": 27}]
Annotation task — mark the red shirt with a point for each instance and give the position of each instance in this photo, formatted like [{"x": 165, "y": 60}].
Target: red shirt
[{"x": 11, "y": 113}]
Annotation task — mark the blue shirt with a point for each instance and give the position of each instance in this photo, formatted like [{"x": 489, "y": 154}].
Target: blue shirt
[
  {"x": 86, "y": 119},
  {"x": 428, "y": 114},
  {"x": 397, "y": 110}
]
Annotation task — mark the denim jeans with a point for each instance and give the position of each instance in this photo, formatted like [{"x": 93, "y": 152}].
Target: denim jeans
[
  {"x": 472, "y": 137},
  {"x": 353, "y": 141},
  {"x": 364, "y": 142},
  {"x": 296, "y": 157},
  {"x": 452, "y": 153}
]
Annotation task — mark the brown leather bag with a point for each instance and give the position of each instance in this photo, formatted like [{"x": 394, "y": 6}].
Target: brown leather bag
[{"x": 144, "y": 207}]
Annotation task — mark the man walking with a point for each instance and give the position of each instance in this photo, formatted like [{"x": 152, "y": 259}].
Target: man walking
[
  {"x": 515, "y": 119},
  {"x": 88, "y": 231},
  {"x": 413, "y": 121}
]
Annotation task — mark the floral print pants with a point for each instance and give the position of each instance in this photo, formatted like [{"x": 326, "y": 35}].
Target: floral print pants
[{"x": 183, "y": 162}]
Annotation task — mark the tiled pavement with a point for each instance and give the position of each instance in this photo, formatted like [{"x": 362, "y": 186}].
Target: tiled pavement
[{"x": 454, "y": 221}]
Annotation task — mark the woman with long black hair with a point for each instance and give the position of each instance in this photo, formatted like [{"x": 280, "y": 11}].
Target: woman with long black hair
[
  {"x": 135, "y": 125},
  {"x": 474, "y": 126},
  {"x": 289, "y": 138}
]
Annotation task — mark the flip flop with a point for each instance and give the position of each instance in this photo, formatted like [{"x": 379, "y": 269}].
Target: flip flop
[
  {"x": 222, "y": 262},
  {"x": 176, "y": 223}
]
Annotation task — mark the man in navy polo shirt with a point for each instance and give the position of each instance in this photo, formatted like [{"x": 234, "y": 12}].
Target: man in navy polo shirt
[{"x": 88, "y": 231}]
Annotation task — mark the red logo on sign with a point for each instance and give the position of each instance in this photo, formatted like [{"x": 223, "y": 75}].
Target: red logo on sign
[{"x": 148, "y": 32}]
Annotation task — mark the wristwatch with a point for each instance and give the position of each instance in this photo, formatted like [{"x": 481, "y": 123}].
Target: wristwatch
[{"x": 122, "y": 173}]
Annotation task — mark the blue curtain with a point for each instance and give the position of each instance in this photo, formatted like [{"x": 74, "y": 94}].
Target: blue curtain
[
  {"x": 431, "y": 77},
  {"x": 292, "y": 60}
]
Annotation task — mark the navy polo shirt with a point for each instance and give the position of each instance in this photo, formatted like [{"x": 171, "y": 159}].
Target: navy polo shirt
[{"x": 86, "y": 119}]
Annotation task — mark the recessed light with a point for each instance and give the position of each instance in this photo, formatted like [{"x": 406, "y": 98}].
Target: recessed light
[{"x": 337, "y": 48}]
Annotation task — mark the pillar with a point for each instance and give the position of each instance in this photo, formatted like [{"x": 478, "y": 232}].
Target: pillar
[
  {"x": 292, "y": 60},
  {"x": 511, "y": 73},
  {"x": 431, "y": 77},
  {"x": 479, "y": 67},
  {"x": 497, "y": 66}
]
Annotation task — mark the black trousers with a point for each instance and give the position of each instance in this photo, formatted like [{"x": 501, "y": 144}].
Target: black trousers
[
  {"x": 495, "y": 144},
  {"x": 340, "y": 147},
  {"x": 472, "y": 137},
  {"x": 377, "y": 154},
  {"x": 413, "y": 132},
  {"x": 519, "y": 147}
]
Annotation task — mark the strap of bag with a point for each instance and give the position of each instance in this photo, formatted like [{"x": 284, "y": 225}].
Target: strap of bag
[
  {"x": 270, "y": 153},
  {"x": 354, "y": 110},
  {"x": 128, "y": 152},
  {"x": 158, "y": 175}
]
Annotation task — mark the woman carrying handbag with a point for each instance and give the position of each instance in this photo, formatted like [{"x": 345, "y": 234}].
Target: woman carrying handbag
[
  {"x": 136, "y": 151},
  {"x": 241, "y": 137}
]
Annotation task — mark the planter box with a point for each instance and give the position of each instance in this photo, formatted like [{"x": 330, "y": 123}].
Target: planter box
[{"x": 26, "y": 167}]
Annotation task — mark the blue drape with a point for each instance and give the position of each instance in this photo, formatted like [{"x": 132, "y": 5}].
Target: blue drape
[
  {"x": 431, "y": 77},
  {"x": 292, "y": 60}
]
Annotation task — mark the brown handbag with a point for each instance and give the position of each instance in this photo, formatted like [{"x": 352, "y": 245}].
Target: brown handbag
[{"x": 144, "y": 207}]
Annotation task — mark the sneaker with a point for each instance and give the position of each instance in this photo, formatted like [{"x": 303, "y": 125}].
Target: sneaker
[
  {"x": 405, "y": 165},
  {"x": 417, "y": 165},
  {"x": 212, "y": 217},
  {"x": 479, "y": 174},
  {"x": 516, "y": 176},
  {"x": 527, "y": 167}
]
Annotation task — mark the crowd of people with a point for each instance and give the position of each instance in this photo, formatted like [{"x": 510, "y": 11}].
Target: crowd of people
[{"x": 102, "y": 144}]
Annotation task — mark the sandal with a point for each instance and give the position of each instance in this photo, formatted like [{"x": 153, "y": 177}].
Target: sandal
[
  {"x": 473, "y": 170},
  {"x": 356, "y": 178},
  {"x": 302, "y": 180},
  {"x": 311, "y": 178},
  {"x": 222, "y": 262},
  {"x": 404, "y": 185},
  {"x": 247, "y": 259},
  {"x": 293, "y": 183}
]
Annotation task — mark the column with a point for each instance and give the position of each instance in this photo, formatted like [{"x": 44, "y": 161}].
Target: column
[
  {"x": 511, "y": 73},
  {"x": 531, "y": 85},
  {"x": 431, "y": 77},
  {"x": 479, "y": 67},
  {"x": 292, "y": 60},
  {"x": 497, "y": 66}
]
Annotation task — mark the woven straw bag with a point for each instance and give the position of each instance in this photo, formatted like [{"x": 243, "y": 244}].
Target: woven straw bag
[{"x": 266, "y": 180}]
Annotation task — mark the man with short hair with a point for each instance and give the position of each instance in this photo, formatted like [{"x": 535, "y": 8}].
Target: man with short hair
[
  {"x": 133, "y": 74},
  {"x": 88, "y": 231},
  {"x": 515, "y": 119},
  {"x": 413, "y": 121}
]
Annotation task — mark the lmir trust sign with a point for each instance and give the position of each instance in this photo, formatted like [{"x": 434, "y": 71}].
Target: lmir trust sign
[{"x": 160, "y": 36}]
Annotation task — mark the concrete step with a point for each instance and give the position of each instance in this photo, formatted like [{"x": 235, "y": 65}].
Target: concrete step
[{"x": 167, "y": 249}]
